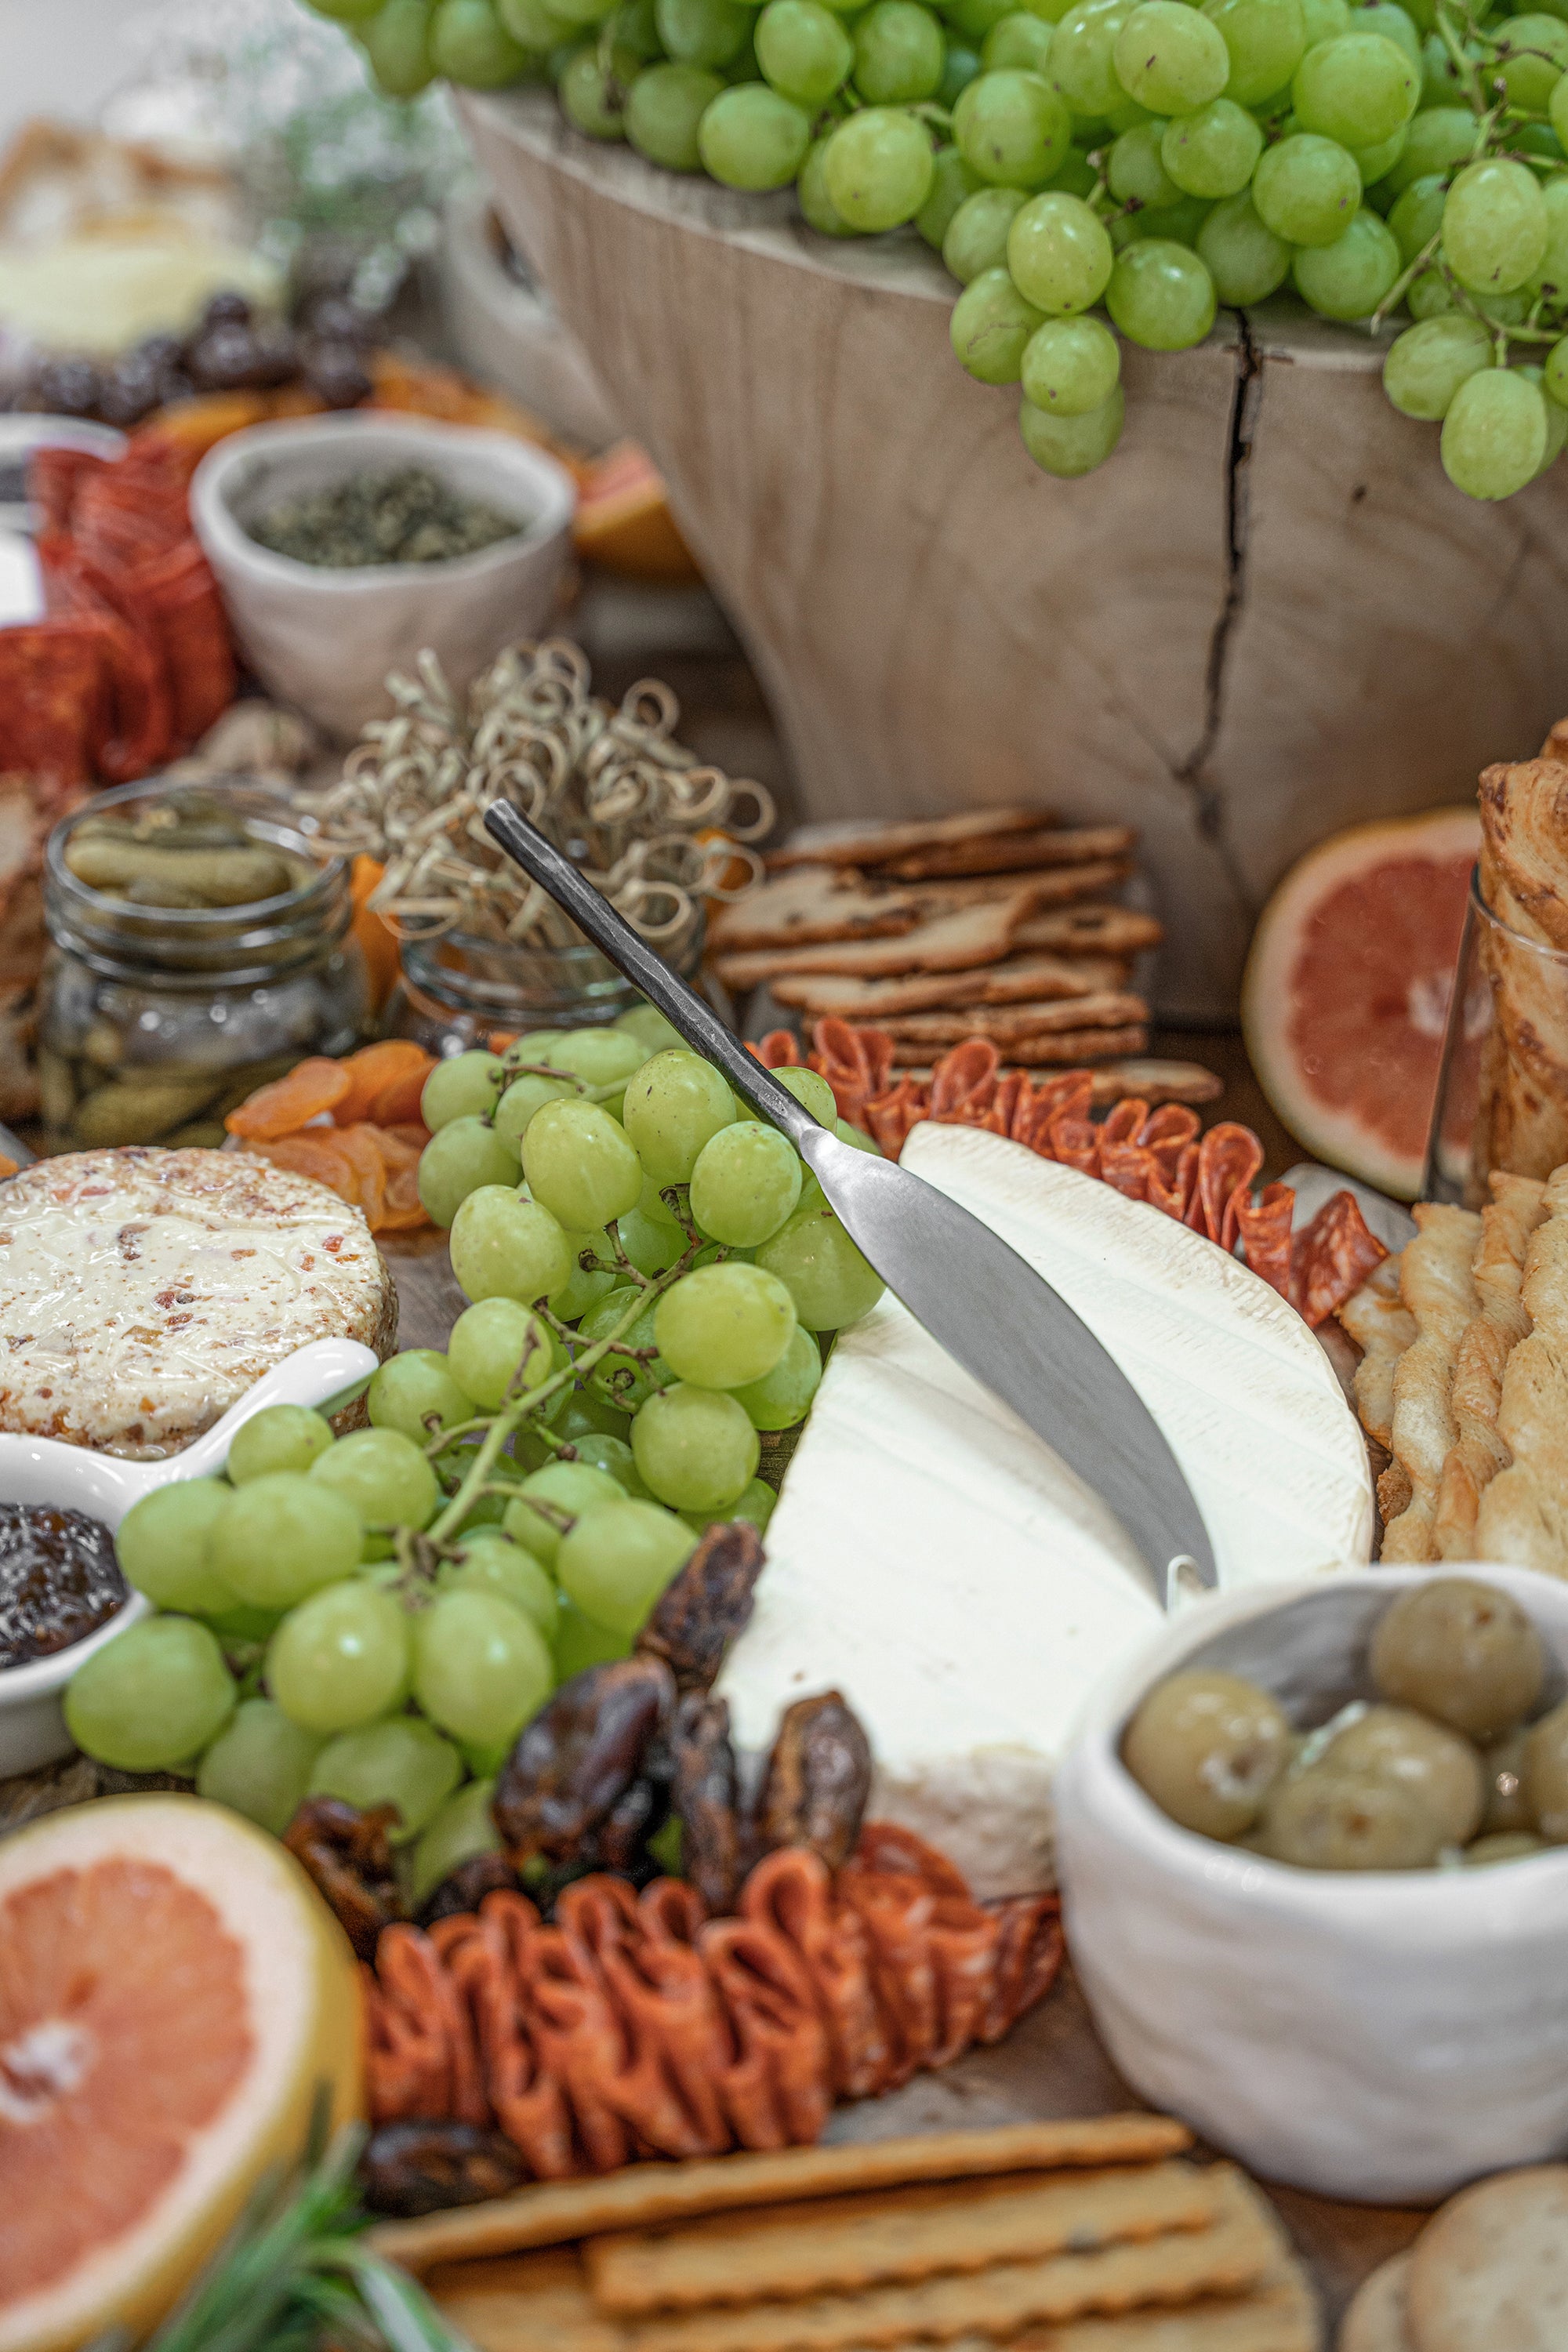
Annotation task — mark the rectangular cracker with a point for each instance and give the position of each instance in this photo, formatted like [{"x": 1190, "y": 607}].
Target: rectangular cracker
[
  {"x": 998, "y": 984},
  {"x": 1048, "y": 885},
  {"x": 1280, "y": 2317},
  {"x": 959, "y": 941},
  {"x": 1108, "y": 1009},
  {"x": 1382, "y": 1327},
  {"x": 1437, "y": 1286},
  {"x": 528, "y": 2303},
  {"x": 849, "y": 2242},
  {"x": 996, "y": 854},
  {"x": 556, "y": 2212},
  {"x": 874, "y": 845},
  {"x": 1523, "y": 1515},
  {"x": 1155, "y": 1080},
  {"x": 1067, "y": 1049},
  {"x": 1089, "y": 931},
  {"x": 808, "y": 905},
  {"x": 1501, "y": 1320},
  {"x": 1228, "y": 2258}
]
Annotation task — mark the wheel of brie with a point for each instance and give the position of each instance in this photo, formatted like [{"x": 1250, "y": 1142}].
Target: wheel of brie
[{"x": 142, "y": 1292}]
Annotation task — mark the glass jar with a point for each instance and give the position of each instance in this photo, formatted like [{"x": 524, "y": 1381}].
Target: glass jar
[
  {"x": 1502, "y": 1085},
  {"x": 156, "y": 1021},
  {"x": 456, "y": 992}
]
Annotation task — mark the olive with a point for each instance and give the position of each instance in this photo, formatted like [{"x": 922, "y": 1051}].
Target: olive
[
  {"x": 224, "y": 359},
  {"x": 277, "y": 354},
  {"x": 1508, "y": 1845},
  {"x": 1545, "y": 1778},
  {"x": 1508, "y": 1808},
  {"x": 132, "y": 388},
  {"x": 68, "y": 387},
  {"x": 334, "y": 373},
  {"x": 1341, "y": 1821},
  {"x": 1461, "y": 1651},
  {"x": 1435, "y": 1766},
  {"x": 1208, "y": 1748},
  {"x": 229, "y": 308},
  {"x": 338, "y": 321}
]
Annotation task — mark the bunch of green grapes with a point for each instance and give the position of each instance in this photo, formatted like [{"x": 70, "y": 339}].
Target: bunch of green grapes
[
  {"x": 377, "y": 1616},
  {"x": 1115, "y": 169}
]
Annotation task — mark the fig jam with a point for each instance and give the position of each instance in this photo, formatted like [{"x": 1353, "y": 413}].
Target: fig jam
[{"x": 59, "y": 1579}]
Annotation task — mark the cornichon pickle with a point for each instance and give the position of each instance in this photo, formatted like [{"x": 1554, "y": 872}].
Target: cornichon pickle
[
  {"x": 139, "y": 1110},
  {"x": 150, "y": 875}
]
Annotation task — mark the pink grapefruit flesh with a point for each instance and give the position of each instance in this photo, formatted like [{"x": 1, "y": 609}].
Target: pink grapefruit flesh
[{"x": 1347, "y": 988}]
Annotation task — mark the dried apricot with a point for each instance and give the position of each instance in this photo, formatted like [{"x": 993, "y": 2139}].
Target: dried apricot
[
  {"x": 395, "y": 1065},
  {"x": 290, "y": 1103},
  {"x": 362, "y": 1145},
  {"x": 315, "y": 1152}
]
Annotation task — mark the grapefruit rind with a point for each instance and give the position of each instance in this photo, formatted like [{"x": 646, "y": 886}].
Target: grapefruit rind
[
  {"x": 306, "y": 2028},
  {"x": 1337, "y": 1137}
]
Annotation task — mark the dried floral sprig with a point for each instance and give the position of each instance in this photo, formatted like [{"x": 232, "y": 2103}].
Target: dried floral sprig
[{"x": 653, "y": 829}]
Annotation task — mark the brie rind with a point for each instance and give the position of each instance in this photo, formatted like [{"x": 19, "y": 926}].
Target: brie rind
[{"x": 936, "y": 1563}]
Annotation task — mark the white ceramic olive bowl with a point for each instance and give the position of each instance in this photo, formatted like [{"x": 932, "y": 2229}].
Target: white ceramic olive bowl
[
  {"x": 1381, "y": 2036},
  {"x": 329, "y": 1373},
  {"x": 325, "y": 640}
]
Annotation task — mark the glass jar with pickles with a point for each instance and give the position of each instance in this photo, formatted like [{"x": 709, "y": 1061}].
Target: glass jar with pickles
[{"x": 199, "y": 946}]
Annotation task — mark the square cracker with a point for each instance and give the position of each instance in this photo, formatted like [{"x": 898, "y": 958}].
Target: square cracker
[
  {"x": 873, "y": 844},
  {"x": 808, "y": 906}
]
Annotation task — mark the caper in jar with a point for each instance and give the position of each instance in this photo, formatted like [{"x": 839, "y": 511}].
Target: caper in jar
[
  {"x": 1340, "y": 1821},
  {"x": 1461, "y": 1651},
  {"x": 1508, "y": 1845},
  {"x": 1507, "y": 1807},
  {"x": 1208, "y": 1748},
  {"x": 1545, "y": 1778},
  {"x": 1430, "y": 1763}
]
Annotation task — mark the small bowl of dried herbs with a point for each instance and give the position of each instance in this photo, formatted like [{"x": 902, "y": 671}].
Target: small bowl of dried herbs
[{"x": 346, "y": 546}]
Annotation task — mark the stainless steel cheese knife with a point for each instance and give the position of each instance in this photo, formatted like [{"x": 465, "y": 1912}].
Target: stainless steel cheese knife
[{"x": 976, "y": 1297}]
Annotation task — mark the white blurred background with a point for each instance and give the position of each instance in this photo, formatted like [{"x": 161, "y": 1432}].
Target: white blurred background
[{"x": 60, "y": 57}]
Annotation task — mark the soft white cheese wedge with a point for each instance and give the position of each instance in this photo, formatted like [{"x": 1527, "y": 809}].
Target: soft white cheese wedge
[{"x": 934, "y": 1561}]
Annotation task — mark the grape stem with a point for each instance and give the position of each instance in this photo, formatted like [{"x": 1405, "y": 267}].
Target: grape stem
[{"x": 1405, "y": 279}]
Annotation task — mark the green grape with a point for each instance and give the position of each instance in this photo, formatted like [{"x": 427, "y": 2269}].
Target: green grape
[
  {"x": 899, "y": 53},
  {"x": 1246, "y": 260},
  {"x": 1532, "y": 57},
  {"x": 1552, "y": 273},
  {"x": 959, "y": 69},
  {"x": 1556, "y": 418},
  {"x": 758, "y": 1503},
  {"x": 652, "y": 1249},
  {"x": 1077, "y": 176},
  {"x": 1135, "y": 171},
  {"x": 498, "y": 1349},
  {"x": 634, "y": 28},
  {"x": 1495, "y": 226},
  {"x": 1495, "y": 435},
  {"x": 1441, "y": 83},
  {"x": 812, "y": 1093},
  {"x": 344, "y": 12},
  {"x": 702, "y": 32},
  {"x": 504, "y": 1247},
  {"x": 491, "y": 1562},
  {"x": 831, "y": 1284},
  {"x": 723, "y": 1326},
  {"x": 1170, "y": 57},
  {"x": 877, "y": 170},
  {"x": 551, "y": 1500},
  {"x": 746, "y": 1182},
  {"x": 278, "y": 1437},
  {"x": 1348, "y": 278},
  {"x": 1374, "y": 164},
  {"x": 653, "y": 1033},
  {"x": 579, "y": 1164},
  {"x": 481, "y": 1669},
  {"x": 694, "y": 1448},
  {"x": 973, "y": 19},
  {"x": 1555, "y": 378},
  {"x": 384, "y": 1474},
  {"x": 673, "y": 1105},
  {"x": 1072, "y": 445},
  {"x": 952, "y": 182},
  {"x": 282, "y": 1537},
  {"x": 1264, "y": 41},
  {"x": 782, "y": 1396},
  {"x": 976, "y": 238},
  {"x": 1430, "y": 297},
  {"x": 1358, "y": 89},
  {"x": 752, "y": 137},
  {"x": 1160, "y": 295},
  {"x": 1418, "y": 215},
  {"x": 401, "y": 1762},
  {"x": 414, "y": 1392},
  {"x": 816, "y": 206},
  {"x": 468, "y": 46},
  {"x": 803, "y": 49},
  {"x": 599, "y": 1058},
  {"x": 614, "y": 1455},
  {"x": 587, "y": 1415},
  {"x": 459, "y": 1832},
  {"x": 1558, "y": 110},
  {"x": 1396, "y": 24},
  {"x": 1022, "y": 39},
  {"x": 580, "y": 1644},
  {"x": 163, "y": 1544},
  {"x": 155, "y": 1695},
  {"x": 990, "y": 327},
  {"x": 465, "y": 1154},
  {"x": 584, "y": 1285},
  {"x": 1307, "y": 189},
  {"x": 1178, "y": 223},
  {"x": 396, "y": 43},
  {"x": 615, "y": 1378},
  {"x": 1325, "y": 20},
  {"x": 1070, "y": 366},
  {"x": 1059, "y": 255},
  {"x": 617, "y": 1560},
  {"x": 1081, "y": 65},
  {"x": 591, "y": 96},
  {"x": 1438, "y": 138},
  {"x": 1213, "y": 151},
  {"x": 528, "y": 1094},
  {"x": 260, "y": 1765}
]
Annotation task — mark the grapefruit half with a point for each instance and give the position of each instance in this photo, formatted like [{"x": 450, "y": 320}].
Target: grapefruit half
[
  {"x": 1347, "y": 986},
  {"x": 172, "y": 1991}
]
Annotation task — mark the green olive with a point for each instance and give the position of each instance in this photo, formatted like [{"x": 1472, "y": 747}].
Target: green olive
[
  {"x": 1340, "y": 1821},
  {"x": 1461, "y": 1651},
  {"x": 1507, "y": 1807},
  {"x": 1545, "y": 1782},
  {"x": 1208, "y": 1748},
  {"x": 1508, "y": 1845},
  {"x": 1435, "y": 1766}
]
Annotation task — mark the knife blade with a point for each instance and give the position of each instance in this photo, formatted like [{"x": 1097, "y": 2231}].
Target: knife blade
[{"x": 980, "y": 1300}]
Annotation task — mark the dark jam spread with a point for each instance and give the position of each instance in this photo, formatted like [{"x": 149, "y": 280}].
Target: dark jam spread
[{"x": 59, "y": 1579}]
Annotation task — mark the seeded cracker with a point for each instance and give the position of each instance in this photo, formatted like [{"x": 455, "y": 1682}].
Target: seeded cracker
[
  {"x": 1518, "y": 1207},
  {"x": 1437, "y": 1286}
]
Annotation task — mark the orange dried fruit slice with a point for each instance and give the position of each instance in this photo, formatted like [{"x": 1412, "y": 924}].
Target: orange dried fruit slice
[
  {"x": 361, "y": 1146},
  {"x": 172, "y": 1992},
  {"x": 317, "y": 1152},
  {"x": 290, "y": 1102},
  {"x": 391, "y": 1067}
]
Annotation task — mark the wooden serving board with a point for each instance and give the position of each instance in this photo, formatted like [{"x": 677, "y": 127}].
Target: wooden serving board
[{"x": 1053, "y": 2062}]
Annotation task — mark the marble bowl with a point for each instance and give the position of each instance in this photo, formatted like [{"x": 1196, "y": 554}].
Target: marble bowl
[{"x": 1383, "y": 2036}]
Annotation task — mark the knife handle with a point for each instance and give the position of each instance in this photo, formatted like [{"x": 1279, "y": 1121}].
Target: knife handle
[{"x": 646, "y": 970}]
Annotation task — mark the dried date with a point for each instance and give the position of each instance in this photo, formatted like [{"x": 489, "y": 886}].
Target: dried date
[
  {"x": 707, "y": 1607},
  {"x": 819, "y": 1779},
  {"x": 576, "y": 1761},
  {"x": 349, "y": 1856},
  {"x": 465, "y": 1888},
  {"x": 423, "y": 2168},
  {"x": 706, "y": 1799}
]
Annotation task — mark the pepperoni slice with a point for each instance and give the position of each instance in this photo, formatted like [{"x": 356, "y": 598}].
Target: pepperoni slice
[
  {"x": 964, "y": 1078},
  {"x": 1263, "y": 1226},
  {"x": 1333, "y": 1256}
]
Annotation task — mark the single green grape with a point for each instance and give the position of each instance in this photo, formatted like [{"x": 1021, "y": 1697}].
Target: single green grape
[
  {"x": 580, "y": 1165},
  {"x": 752, "y": 137},
  {"x": 746, "y": 1182},
  {"x": 1495, "y": 434},
  {"x": 782, "y": 1396},
  {"x": 164, "y": 1545},
  {"x": 585, "y": 1415},
  {"x": 647, "y": 1025},
  {"x": 529, "y": 1093},
  {"x": 617, "y": 1377},
  {"x": 550, "y": 1500},
  {"x": 1213, "y": 151},
  {"x": 1059, "y": 255},
  {"x": 812, "y": 1091},
  {"x": 878, "y": 170},
  {"x": 1266, "y": 41},
  {"x": 384, "y": 1474},
  {"x": 757, "y": 1503},
  {"x": 1325, "y": 20},
  {"x": 1070, "y": 366},
  {"x": 1022, "y": 39},
  {"x": 468, "y": 45},
  {"x": 481, "y": 1668},
  {"x": 282, "y": 1537},
  {"x": 396, "y": 43},
  {"x": 1081, "y": 56},
  {"x": 591, "y": 95},
  {"x": 721, "y": 1327},
  {"x": 898, "y": 52},
  {"x": 1556, "y": 371},
  {"x": 260, "y": 1765},
  {"x": 1441, "y": 81},
  {"x": 581, "y": 1643},
  {"x": 976, "y": 238},
  {"x": 1012, "y": 128},
  {"x": 491, "y": 1562},
  {"x": 1530, "y": 60},
  {"x": 652, "y": 1249},
  {"x": 415, "y": 1392},
  {"x": 1417, "y": 214},
  {"x": 673, "y": 1105},
  {"x": 401, "y": 1762},
  {"x": 459, "y": 1830},
  {"x": 465, "y": 1153},
  {"x": 971, "y": 19},
  {"x": 959, "y": 69},
  {"x": 1135, "y": 172},
  {"x": 831, "y": 1282},
  {"x": 633, "y": 29},
  {"x": 584, "y": 1285},
  {"x": 1495, "y": 225},
  {"x": 1307, "y": 189},
  {"x": 952, "y": 180},
  {"x": 503, "y": 1246},
  {"x": 498, "y": 1348},
  {"x": 1348, "y": 278},
  {"x": 1244, "y": 258},
  {"x": 702, "y": 32},
  {"x": 1358, "y": 89},
  {"x": 1556, "y": 418},
  {"x": 1395, "y": 23},
  {"x": 1552, "y": 271},
  {"x": 1072, "y": 445},
  {"x": 280, "y": 1437},
  {"x": 803, "y": 49},
  {"x": 155, "y": 1695},
  {"x": 617, "y": 1560},
  {"x": 990, "y": 327},
  {"x": 614, "y": 1455},
  {"x": 694, "y": 1447},
  {"x": 816, "y": 206},
  {"x": 1160, "y": 295},
  {"x": 1170, "y": 57},
  {"x": 1374, "y": 164}
]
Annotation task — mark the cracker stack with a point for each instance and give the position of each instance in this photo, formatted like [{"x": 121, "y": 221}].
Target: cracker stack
[
  {"x": 1489, "y": 2274},
  {"x": 1062, "y": 2237},
  {"x": 992, "y": 924}
]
